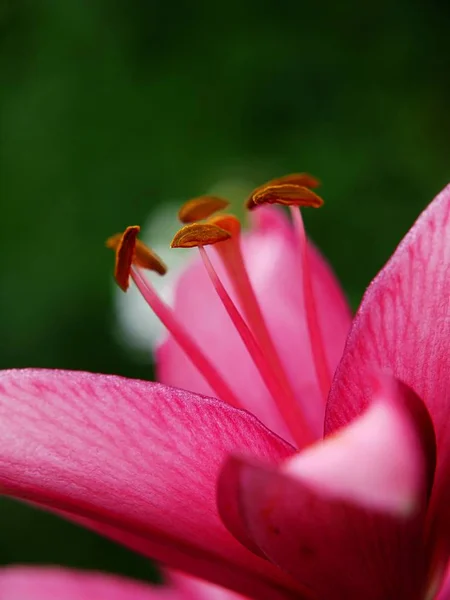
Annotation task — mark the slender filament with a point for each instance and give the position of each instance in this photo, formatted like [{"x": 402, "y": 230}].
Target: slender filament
[
  {"x": 185, "y": 341},
  {"x": 290, "y": 411},
  {"x": 231, "y": 255},
  {"x": 315, "y": 335}
]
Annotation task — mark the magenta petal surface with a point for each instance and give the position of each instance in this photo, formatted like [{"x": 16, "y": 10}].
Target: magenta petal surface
[
  {"x": 32, "y": 583},
  {"x": 444, "y": 590},
  {"x": 197, "y": 589},
  {"x": 344, "y": 516},
  {"x": 403, "y": 327},
  {"x": 403, "y": 324},
  {"x": 273, "y": 262},
  {"x": 336, "y": 550},
  {"x": 139, "y": 459},
  {"x": 376, "y": 462}
]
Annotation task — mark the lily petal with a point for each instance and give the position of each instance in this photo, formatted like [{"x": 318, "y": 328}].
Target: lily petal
[
  {"x": 444, "y": 590},
  {"x": 403, "y": 326},
  {"x": 271, "y": 255},
  {"x": 403, "y": 323},
  {"x": 33, "y": 583},
  {"x": 196, "y": 589},
  {"x": 358, "y": 498},
  {"x": 377, "y": 461},
  {"x": 137, "y": 458},
  {"x": 315, "y": 538}
]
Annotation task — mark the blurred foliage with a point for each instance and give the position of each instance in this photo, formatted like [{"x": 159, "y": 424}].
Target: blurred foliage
[{"x": 111, "y": 107}]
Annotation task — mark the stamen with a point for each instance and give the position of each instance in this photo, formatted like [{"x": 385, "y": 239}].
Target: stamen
[
  {"x": 290, "y": 411},
  {"x": 130, "y": 250},
  {"x": 289, "y": 194},
  {"x": 201, "y": 208},
  {"x": 199, "y": 234},
  {"x": 168, "y": 318},
  {"x": 315, "y": 335},
  {"x": 114, "y": 240},
  {"x": 228, "y": 222},
  {"x": 230, "y": 253},
  {"x": 231, "y": 256},
  {"x": 294, "y": 196},
  {"x": 129, "y": 253},
  {"x": 269, "y": 365},
  {"x": 145, "y": 258},
  {"x": 125, "y": 248},
  {"x": 303, "y": 179}
]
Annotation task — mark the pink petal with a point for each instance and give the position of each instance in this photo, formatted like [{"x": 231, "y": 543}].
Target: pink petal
[
  {"x": 403, "y": 326},
  {"x": 338, "y": 516},
  {"x": 444, "y": 589},
  {"x": 196, "y": 589},
  {"x": 137, "y": 460},
  {"x": 32, "y": 583},
  {"x": 377, "y": 461},
  {"x": 335, "y": 550},
  {"x": 273, "y": 263}
]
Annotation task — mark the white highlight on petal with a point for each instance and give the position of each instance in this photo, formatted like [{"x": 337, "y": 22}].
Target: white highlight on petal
[{"x": 375, "y": 461}]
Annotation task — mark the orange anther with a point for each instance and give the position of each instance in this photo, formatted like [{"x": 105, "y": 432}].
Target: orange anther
[
  {"x": 129, "y": 250},
  {"x": 114, "y": 241},
  {"x": 199, "y": 234},
  {"x": 145, "y": 258},
  {"x": 289, "y": 194},
  {"x": 124, "y": 255},
  {"x": 303, "y": 179},
  {"x": 201, "y": 208},
  {"x": 228, "y": 222}
]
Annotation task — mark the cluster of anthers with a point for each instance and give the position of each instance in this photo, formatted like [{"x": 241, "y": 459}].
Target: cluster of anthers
[{"x": 206, "y": 225}]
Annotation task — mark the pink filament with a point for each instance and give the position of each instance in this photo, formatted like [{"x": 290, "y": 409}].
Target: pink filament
[
  {"x": 315, "y": 334},
  {"x": 290, "y": 411},
  {"x": 182, "y": 337},
  {"x": 231, "y": 255}
]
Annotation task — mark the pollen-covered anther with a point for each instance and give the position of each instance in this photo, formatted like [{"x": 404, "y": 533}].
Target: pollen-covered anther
[
  {"x": 303, "y": 179},
  {"x": 201, "y": 208},
  {"x": 228, "y": 222},
  {"x": 131, "y": 251},
  {"x": 288, "y": 194},
  {"x": 199, "y": 234}
]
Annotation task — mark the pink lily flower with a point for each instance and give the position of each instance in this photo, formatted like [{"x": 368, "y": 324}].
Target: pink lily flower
[
  {"x": 227, "y": 476},
  {"x": 32, "y": 583}
]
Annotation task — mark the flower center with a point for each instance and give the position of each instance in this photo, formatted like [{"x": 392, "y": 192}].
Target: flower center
[{"x": 222, "y": 233}]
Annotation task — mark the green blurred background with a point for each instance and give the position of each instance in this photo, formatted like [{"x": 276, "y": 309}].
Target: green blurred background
[{"x": 110, "y": 108}]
